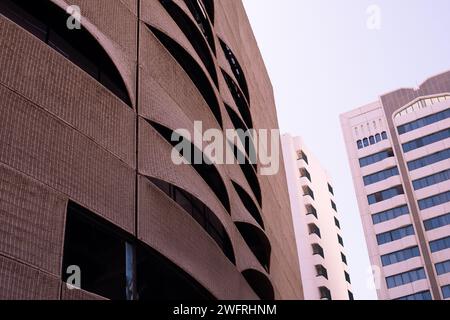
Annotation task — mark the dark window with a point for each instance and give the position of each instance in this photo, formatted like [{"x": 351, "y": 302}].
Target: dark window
[
  {"x": 311, "y": 210},
  {"x": 330, "y": 189},
  {"x": 193, "y": 70},
  {"x": 427, "y": 140},
  {"x": 236, "y": 68},
  {"x": 337, "y": 223},
  {"x": 350, "y": 295},
  {"x": 347, "y": 277},
  {"x": 395, "y": 235},
  {"x": 313, "y": 229},
  {"x": 431, "y": 180},
  {"x": 325, "y": 293},
  {"x": 423, "y": 295},
  {"x": 359, "y": 144},
  {"x": 209, "y": 173},
  {"x": 385, "y": 194},
  {"x": 48, "y": 22},
  {"x": 423, "y": 122},
  {"x": 378, "y": 138},
  {"x": 260, "y": 284},
  {"x": 317, "y": 249},
  {"x": 321, "y": 271},
  {"x": 239, "y": 99},
  {"x": 366, "y": 142},
  {"x": 380, "y": 176},
  {"x": 374, "y": 158},
  {"x": 333, "y": 205},
  {"x": 429, "y": 160},
  {"x": 434, "y": 201},
  {"x": 308, "y": 192},
  {"x": 340, "y": 240},
  {"x": 201, "y": 213},
  {"x": 446, "y": 291},
  {"x": 257, "y": 242},
  {"x": 372, "y": 140},
  {"x": 443, "y": 267},
  {"x": 251, "y": 207},
  {"x": 343, "y": 258},
  {"x": 209, "y": 6},
  {"x": 302, "y": 156},
  {"x": 405, "y": 278},
  {"x": 390, "y": 214},
  {"x": 305, "y": 174},
  {"x": 200, "y": 15},
  {"x": 384, "y": 135},
  {"x": 115, "y": 265},
  {"x": 399, "y": 256},
  {"x": 437, "y": 222},
  {"x": 440, "y": 244},
  {"x": 245, "y": 135},
  {"x": 194, "y": 36}
]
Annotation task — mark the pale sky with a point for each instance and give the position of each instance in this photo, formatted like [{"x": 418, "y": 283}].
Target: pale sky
[{"x": 324, "y": 61}]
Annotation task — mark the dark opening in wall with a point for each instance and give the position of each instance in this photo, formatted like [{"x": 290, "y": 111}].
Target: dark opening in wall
[
  {"x": 246, "y": 136},
  {"x": 201, "y": 17},
  {"x": 257, "y": 242},
  {"x": 193, "y": 70},
  {"x": 239, "y": 99},
  {"x": 209, "y": 6},
  {"x": 260, "y": 284},
  {"x": 116, "y": 266},
  {"x": 251, "y": 207},
  {"x": 48, "y": 22},
  {"x": 208, "y": 172},
  {"x": 201, "y": 214},
  {"x": 236, "y": 69},
  {"x": 194, "y": 36}
]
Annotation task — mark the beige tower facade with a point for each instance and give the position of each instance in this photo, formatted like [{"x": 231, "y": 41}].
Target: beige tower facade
[
  {"x": 399, "y": 153},
  {"x": 318, "y": 232}
]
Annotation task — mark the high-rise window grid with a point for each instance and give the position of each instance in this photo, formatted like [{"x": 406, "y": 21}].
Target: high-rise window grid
[
  {"x": 390, "y": 214},
  {"x": 431, "y": 180},
  {"x": 423, "y": 122},
  {"x": 400, "y": 256},
  {"x": 380, "y": 176},
  {"x": 405, "y": 278},
  {"x": 385, "y": 194},
  {"x": 395, "y": 235},
  {"x": 427, "y": 140}
]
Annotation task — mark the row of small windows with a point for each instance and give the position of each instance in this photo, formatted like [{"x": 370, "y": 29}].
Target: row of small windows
[
  {"x": 371, "y": 140},
  {"x": 423, "y": 295},
  {"x": 399, "y": 256},
  {"x": 423, "y": 122},
  {"x": 423, "y": 103},
  {"x": 47, "y": 22},
  {"x": 427, "y": 140},
  {"x": 405, "y": 278},
  {"x": 380, "y": 176},
  {"x": 431, "y": 180},
  {"x": 446, "y": 291},
  {"x": 429, "y": 160},
  {"x": 437, "y": 222},
  {"x": 395, "y": 235},
  {"x": 440, "y": 244},
  {"x": 434, "y": 200},
  {"x": 385, "y": 194},
  {"x": 442, "y": 267},
  {"x": 377, "y": 157},
  {"x": 390, "y": 214}
]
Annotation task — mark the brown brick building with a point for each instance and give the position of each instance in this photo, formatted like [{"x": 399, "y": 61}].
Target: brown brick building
[{"x": 86, "y": 176}]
